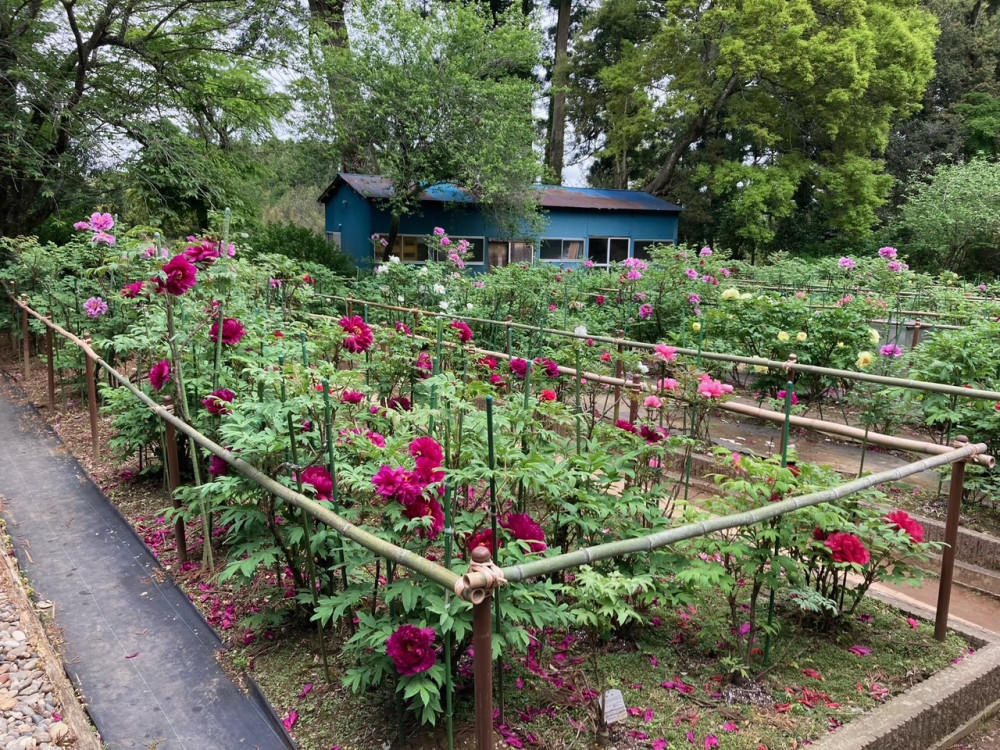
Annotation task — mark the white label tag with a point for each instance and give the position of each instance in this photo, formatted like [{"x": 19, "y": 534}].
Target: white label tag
[{"x": 614, "y": 706}]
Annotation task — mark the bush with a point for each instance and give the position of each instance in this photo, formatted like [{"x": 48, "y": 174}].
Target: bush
[{"x": 303, "y": 244}]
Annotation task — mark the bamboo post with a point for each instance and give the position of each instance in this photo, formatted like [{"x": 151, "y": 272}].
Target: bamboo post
[
  {"x": 916, "y": 335},
  {"x": 482, "y": 642},
  {"x": 25, "y": 341},
  {"x": 619, "y": 373},
  {"x": 174, "y": 479},
  {"x": 50, "y": 356},
  {"x": 91, "y": 398},
  {"x": 950, "y": 540},
  {"x": 633, "y": 402}
]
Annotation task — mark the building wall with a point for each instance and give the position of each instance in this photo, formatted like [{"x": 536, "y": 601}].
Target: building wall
[{"x": 357, "y": 219}]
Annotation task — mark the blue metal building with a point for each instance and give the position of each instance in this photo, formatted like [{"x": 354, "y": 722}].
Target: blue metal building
[{"x": 582, "y": 224}]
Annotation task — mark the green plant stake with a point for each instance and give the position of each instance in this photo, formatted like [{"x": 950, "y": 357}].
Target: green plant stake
[
  {"x": 220, "y": 319},
  {"x": 449, "y": 541},
  {"x": 789, "y": 391},
  {"x": 331, "y": 466},
  {"x": 579, "y": 408},
  {"x": 494, "y": 511},
  {"x": 305, "y": 351},
  {"x": 310, "y": 559}
]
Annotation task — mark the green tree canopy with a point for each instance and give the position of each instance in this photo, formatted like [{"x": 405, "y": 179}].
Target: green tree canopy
[
  {"x": 952, "y": 219},
  {"x": 84, "y": 83},
  {"x": 757, "y": 115},
  {"x": 428, "y": 95}
]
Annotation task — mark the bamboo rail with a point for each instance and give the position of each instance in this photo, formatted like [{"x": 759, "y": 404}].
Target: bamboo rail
[
  {"x": 835, "y": 428},
  {"x": 920, "y": 385}
]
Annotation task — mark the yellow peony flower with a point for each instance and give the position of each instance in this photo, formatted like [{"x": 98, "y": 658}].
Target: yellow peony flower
[
  {"x": 801, "y": 336},
  {"x": 760, "y": 368},
  {"x": 874, "y": 335},
  {"x": 696, "y": 326},
  {"x": 731, "y": 293},
  {"x": 841, "y": 344},
  {"x": 865, "y": 359},
  {"x": 783, "y": 336}
]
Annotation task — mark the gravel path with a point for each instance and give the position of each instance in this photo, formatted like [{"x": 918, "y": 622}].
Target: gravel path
[{"x": 29, "y": 709}]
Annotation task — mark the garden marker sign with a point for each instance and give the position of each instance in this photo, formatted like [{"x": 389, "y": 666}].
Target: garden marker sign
[{"x": 613, "y": 703}]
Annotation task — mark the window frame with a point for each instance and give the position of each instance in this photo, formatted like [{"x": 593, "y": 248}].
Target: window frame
[
  {"x": 562, "y": 249},
  {"x": 635, "y": 242},
  {"x": 420, "y": 241}
]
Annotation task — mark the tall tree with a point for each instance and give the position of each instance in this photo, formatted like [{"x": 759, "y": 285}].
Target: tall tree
[
  {"x": 771, "y": 106},
  {"x": 79, "y": 78},
  {"x": 555, "y": 144},
  {"x": 445, "y": 96}
]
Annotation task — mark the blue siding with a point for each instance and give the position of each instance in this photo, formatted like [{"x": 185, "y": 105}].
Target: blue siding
[{"x": 357, "y": 218}]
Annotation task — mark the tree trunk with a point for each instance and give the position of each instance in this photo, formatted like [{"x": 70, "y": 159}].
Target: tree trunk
[
  {"x": 664, "y": 178},
  {"x": 556, "y": 145}
]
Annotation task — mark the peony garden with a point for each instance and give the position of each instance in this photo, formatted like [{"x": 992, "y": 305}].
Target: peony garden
[{"x": 426, "y": 507}]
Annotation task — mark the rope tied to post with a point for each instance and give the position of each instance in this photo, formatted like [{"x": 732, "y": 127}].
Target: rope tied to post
[{"x": 483, "y": 577}]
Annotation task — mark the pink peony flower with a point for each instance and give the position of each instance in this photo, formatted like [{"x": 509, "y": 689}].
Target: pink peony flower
[
  {"x": 524, "y": 528},
  {"x": 665, "y": 353},
  {"x": 412, "y": 649},
  {"x": 668, "y": 384},
  {"x": 160, "y": 374},
  {"x": 901, "y": 520},
  {"x": 320, "y": 480},
  {"x": 217, "y": 402},
  {"x": 709, "y": 387},
  {"x": 101, "y": 222},
  {"x": 847, "y": 548},
  {"x": 645, "y": 311},
  {"x": 887, "y": 252},
  {"x": 202, "y": 251},
  {"x": 359, "y": 336},
  {"x": 232, "y": 331},
  {"x": 464, "y": 332},
  {"x": 95, "y": 307},
  {"x": 783, "y": 394},
  {"x": 847, "y": 263},
  {"x": 891, "y": 351},
  {"x": 652, "y": 402},
  {"x": 181, "y": 276}
]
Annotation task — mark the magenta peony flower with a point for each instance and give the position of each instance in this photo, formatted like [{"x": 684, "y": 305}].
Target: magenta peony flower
[
  {"x": 901, "y": 520},
  {"x": 423, "y": 507},
  {"x": 203, "y": 251},
  {"x": 524, "y": 528},
  {"x": 217, "y": 402},
  {"x": 481, "y": 538},
  {"x": 232, "y": 331},
  {"x": 519, "y": 367},
  {"x": 429, "y": 456},
  {"x": 160, "y": 374},
  {"x": 181, "y": 276},
  {"x": 399, "y": 403},
  {"x": 217, "y": 467},
  {"x": 320, "y": 480},
  {"x": 464, "y": 332},
  {"x": 783, "y": 394},
  {"x": 412, "y": 649},
  {"x": 133, "y": 290},
  {"x": 398, "y": 484},
  {"x": 101, "y": 222},
  {"x": 887, "y": 252},
  {"x": 645, "y": 311},
  {"x": 352, "y": 397},
  {"x": 847, "y": 548},
  {"x": 551, "y": 368},
  {"x": 891, "y": 351},
  {"x": 624, "y": 424},
  {"x": 401, "y": 327},
  {"x": 425, "y": 365},
  {"x": 359, "y": 336}
]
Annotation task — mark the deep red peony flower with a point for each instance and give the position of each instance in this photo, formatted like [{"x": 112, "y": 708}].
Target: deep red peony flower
[
  {"x": 232, "y": 331},
  {"x": 399, "y": 403},
  {"x": 181, "y": 276},
  {"x": 624, "y": 424},
  {"x": 548, "y": 396},
  {"x": 481, "y": 538},
  {"x": 217, "y": 402},
  {"x": 848, "y": 548},
  {"x": 819, "y": 535},
  {"x": 464, "y": 332},
  {"x": 519, "y": 367},
  {"x": 902, "y": 520},
  {"x": 652, "y": 433},
  {"x": 217, "y": 467},
  {"x": 523, "y": 527},
  {"x": 160, "y": 374},
  {"x": 412, "y": 649},
  {"x": 319, "y": 478},
  {"x": 359, "y": 336}
]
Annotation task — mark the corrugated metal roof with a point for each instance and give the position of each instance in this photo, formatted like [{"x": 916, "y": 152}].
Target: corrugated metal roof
[{"x": 550, "y": 196}]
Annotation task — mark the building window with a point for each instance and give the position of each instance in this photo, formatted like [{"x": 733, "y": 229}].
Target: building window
[
  {"x": 333, "y": 238},
  {"x": 505, "y": 253},
  {"x": 604, "y": 251},
  {"x": 556, "y": 251},
  {"x": 642, "y": 247},
  {"x": 411, "y": 248}
]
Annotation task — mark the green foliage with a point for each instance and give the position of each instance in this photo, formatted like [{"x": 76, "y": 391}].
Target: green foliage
[
  {"x": 432, "y": 95},
  {"x": 303, "y": 244}
]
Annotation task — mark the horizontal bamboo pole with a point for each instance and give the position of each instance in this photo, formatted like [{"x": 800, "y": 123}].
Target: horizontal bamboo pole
[
  {"x": 429, "y": 570},
  {"x": 919, "y": 385},
  {"x": 835, "y": 428},
  {"x": 473, "y": 581}
]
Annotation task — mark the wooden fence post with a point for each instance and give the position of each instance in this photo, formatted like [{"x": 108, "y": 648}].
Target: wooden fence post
[
  {"x": 25, "y": 339},
  {"x": 916, "y": 335},
  {"x": 950, "y": 539},
  {"x": 482, "y": 664},
  {"x": 174, "y": 478},
  {"x": 620, "y": 374},
  {"x": 92, "y": 400},
  {"x": 50, "y": 356}
]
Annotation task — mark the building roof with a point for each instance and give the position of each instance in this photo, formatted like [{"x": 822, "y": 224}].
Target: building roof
[{"x": 550, "y": 196}]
